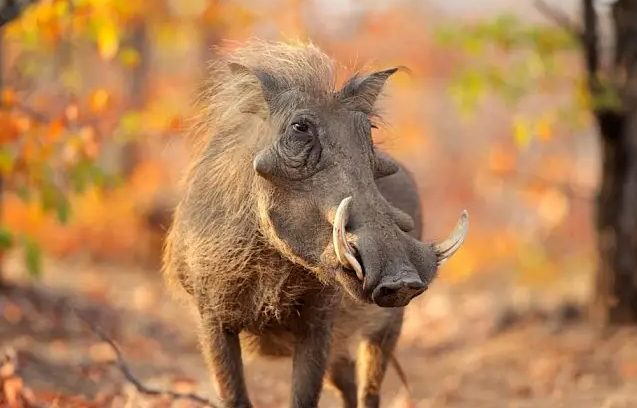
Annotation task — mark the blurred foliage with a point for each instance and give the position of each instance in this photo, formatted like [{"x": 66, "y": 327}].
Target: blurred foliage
[
  {"x": 49, "y": 137},
  {"x": 535, "y": 72},
  {"x": 82, "y": 80},
  {"x": 70, "y": 104},
  {"x": 514, "y": 60}
]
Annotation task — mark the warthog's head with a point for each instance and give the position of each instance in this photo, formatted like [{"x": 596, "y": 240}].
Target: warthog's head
[{"x": 324, "y": 209}]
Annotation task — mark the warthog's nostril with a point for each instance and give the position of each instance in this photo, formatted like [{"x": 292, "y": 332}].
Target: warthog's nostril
[{"x": 398, "y": 293}]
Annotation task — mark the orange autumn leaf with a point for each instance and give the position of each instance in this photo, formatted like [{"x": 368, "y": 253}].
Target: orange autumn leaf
[
  {"x": 33, "y": 152},
  {"x": 99, "y": 100},
  {"x": 8, "y": 98},
  {"x": 543, "y": 129},
  {"x": 175, "y": 123},
  {"x": 56, "y": 129},
  {"x": 210, "y": 13},
  {"x": 501, "y": 159},
  {"x": 8, "y": 129},
  {"x": 12, "y": 388},
  {"x": 23, "y": 123}
]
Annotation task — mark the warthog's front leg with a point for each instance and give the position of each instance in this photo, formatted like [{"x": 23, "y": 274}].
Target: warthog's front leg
[
  {"x": 222, "y": 351},
  {"x": 374, "y": 353},
  {"x": 313, "y": 335}
]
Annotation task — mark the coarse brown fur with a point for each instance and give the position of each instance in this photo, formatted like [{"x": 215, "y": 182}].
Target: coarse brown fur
[
  {"x": 225, "y": 255},
  {"x": 220, "y": 192}
]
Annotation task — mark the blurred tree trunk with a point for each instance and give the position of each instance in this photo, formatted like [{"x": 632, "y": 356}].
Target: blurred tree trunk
[
  {"x": 138, "y": 93},
  {"x": 615, "y": 299}
]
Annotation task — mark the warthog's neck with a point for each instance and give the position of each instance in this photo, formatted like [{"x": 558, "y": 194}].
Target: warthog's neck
[{"x": 283, "y": 283}]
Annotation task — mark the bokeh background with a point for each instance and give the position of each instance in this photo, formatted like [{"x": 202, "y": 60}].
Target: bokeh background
[{"x": 96, "y": 98}]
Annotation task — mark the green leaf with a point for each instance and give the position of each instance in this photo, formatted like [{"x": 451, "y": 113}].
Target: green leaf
[
  {"x": 23, "y": 192},
  {"x": 7, "y": 160},
  {"x": 446, "y": 36},
  {"x": 6, "y": 238},
  {"x": 63, "y": 210},
  {"x": 53, "y": 198},
  {"x": 32, "y": 257}
]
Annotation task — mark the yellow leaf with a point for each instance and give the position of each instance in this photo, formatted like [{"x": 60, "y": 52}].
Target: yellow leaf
[
  {"x": 107, "y": 40},
  {"x": 521, "y": 132},
  {"x": 7, "y": 162},
  {"x": 129, "y": 57},
  {"x": 61, "y": 8}
]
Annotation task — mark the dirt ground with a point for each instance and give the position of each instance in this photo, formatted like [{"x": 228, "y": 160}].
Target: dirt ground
[{"x": 462, "y": 347}]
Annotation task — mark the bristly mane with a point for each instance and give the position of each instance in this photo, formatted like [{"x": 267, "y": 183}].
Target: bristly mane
[{"x": 217, "y": 247}]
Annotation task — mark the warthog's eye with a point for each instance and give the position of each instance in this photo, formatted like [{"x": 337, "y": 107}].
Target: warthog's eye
[{"x": 300, "y": 127}]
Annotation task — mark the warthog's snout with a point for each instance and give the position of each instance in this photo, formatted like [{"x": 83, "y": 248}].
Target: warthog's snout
[
  {"x": 398, "y": 292},
  {"x": 386, "y": 266}
]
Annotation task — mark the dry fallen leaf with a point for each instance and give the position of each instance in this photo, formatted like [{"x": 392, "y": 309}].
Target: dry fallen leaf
[
  {"x": 12, "y": 313},
  {"x": 8, "y": 363},
  {"x": 102, "y": 353},
  {"x": 183, "y": 385},
  {"x": 11, "y": 389},
  {"x": 628, "y": 370},
  {"x": 7, "y": 369}
]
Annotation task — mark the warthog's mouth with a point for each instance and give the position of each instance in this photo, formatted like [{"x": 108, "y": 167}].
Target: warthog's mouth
[
  {"x": 349, "y": 279},
  {"x": 352, "y": 275}
]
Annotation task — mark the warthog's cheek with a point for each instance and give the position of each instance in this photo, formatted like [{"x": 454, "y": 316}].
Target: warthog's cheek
[
  {"x": 352, "y": 285},
  {"x": 342, "y": 277}
]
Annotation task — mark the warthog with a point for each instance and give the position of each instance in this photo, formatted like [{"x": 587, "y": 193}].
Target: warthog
[{"x": 295, "y": 235}]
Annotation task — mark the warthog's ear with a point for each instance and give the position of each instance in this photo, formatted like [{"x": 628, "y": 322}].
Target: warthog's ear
[
  {"x": 384, "y": 166},
  {"x": 362, "y": 91},
  {"x": 269, "y": 85}
]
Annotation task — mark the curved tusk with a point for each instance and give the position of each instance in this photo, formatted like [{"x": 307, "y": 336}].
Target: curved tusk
[
  {"x": 344, "y": 252},
  {"x": 448, "y": 247}
]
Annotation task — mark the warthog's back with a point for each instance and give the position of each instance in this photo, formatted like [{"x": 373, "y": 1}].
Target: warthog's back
[{"x": 401, "y": 191}]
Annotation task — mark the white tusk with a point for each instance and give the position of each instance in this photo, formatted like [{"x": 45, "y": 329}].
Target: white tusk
[
  {"x": 448, "y": 247},
  {"x": 344, "y": 252}
]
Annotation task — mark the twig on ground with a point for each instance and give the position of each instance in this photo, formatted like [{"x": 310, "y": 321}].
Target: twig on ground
[
  {"x": 128, "y": 373},
  {"x": 559, "y": 17}
]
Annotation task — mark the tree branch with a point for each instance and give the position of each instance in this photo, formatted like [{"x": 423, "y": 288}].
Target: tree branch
[
  {"x": 130, "y": 377},
  {"x": 590, "y": 43},
  {"x": 559, "y": 17},
  {"x": 12, "y": 9}
]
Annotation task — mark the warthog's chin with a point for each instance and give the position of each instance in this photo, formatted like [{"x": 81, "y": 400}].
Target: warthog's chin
[{"x": 352, "y": 285}]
